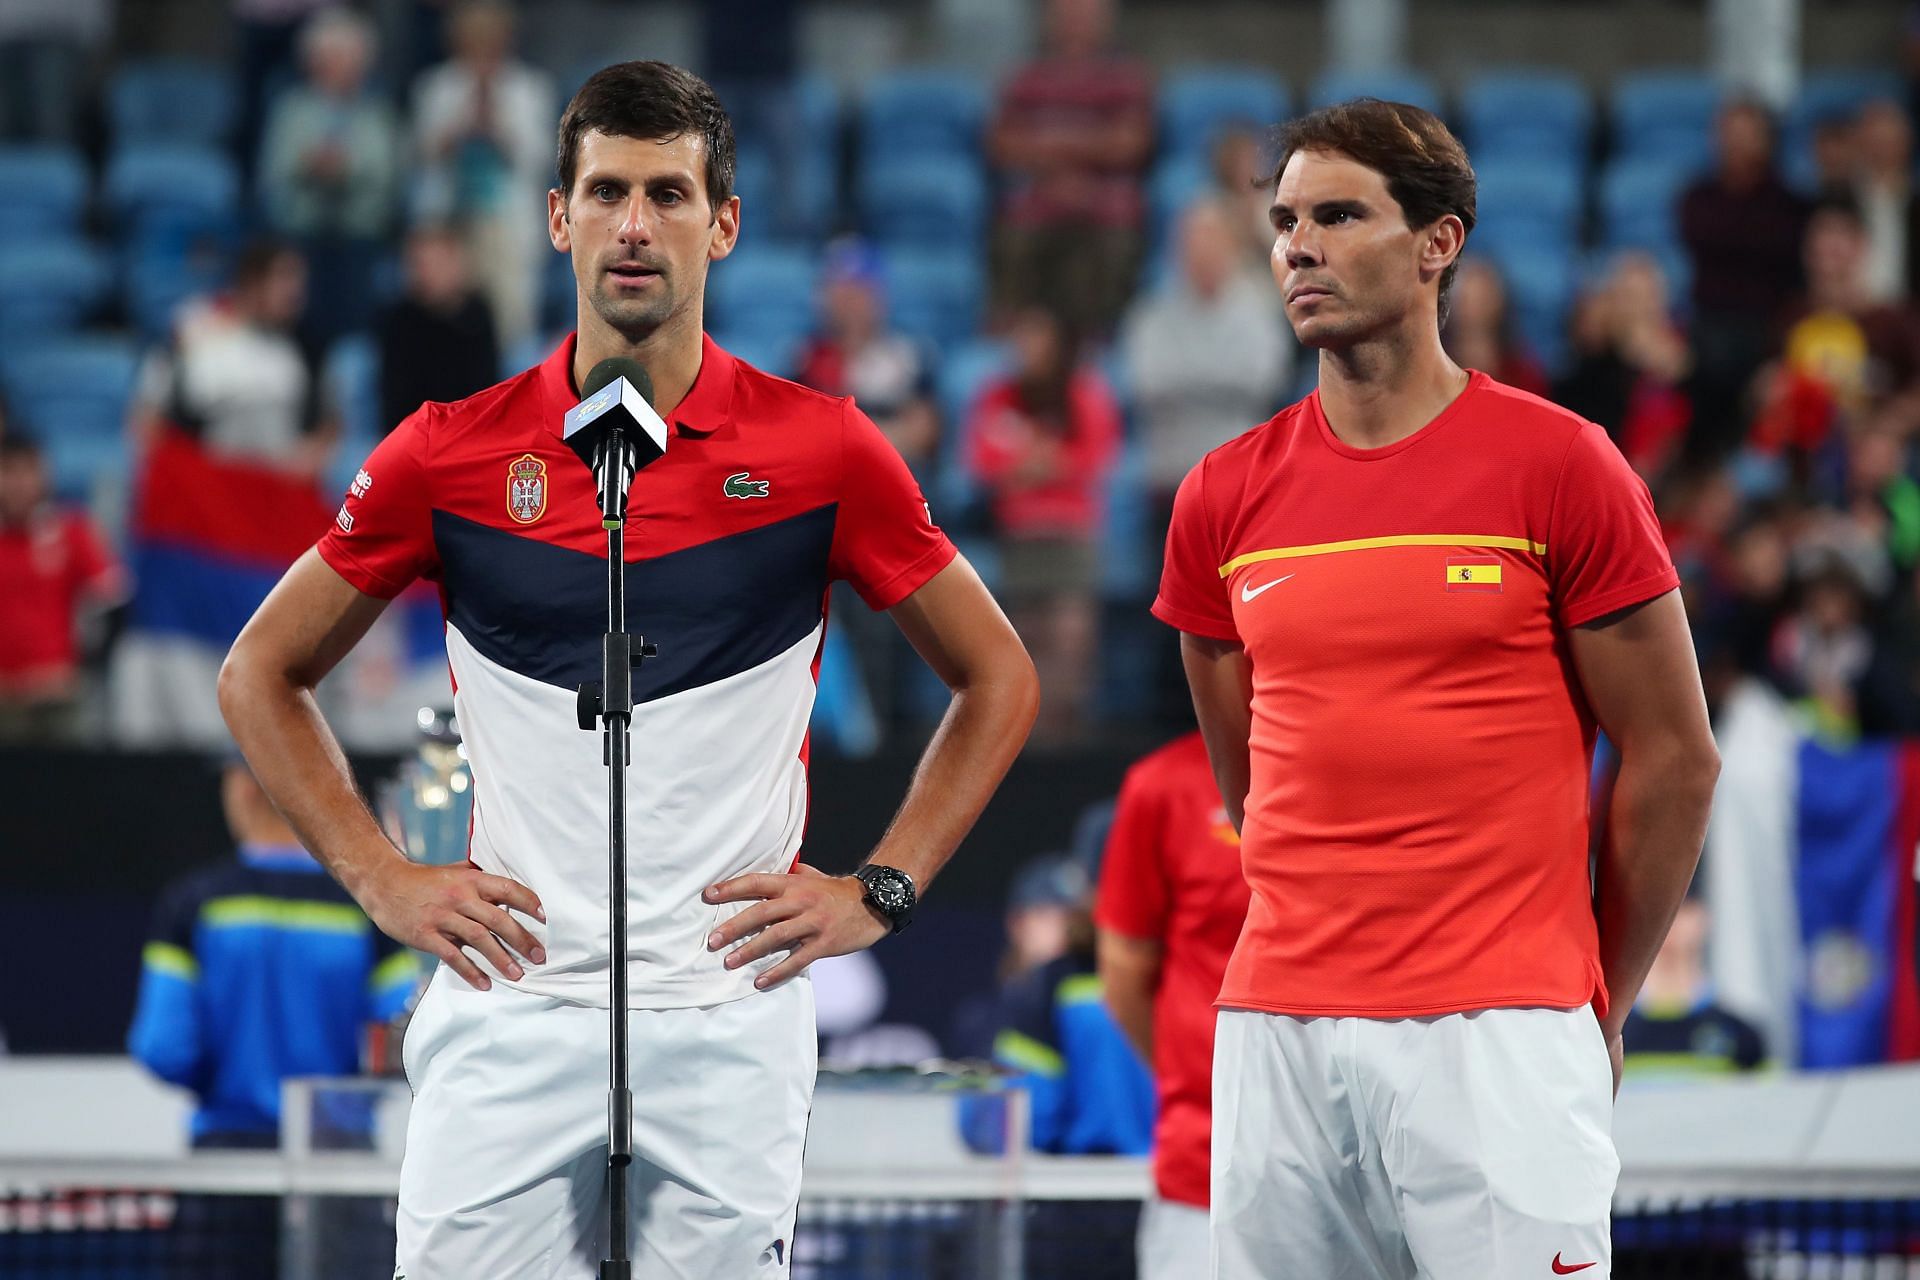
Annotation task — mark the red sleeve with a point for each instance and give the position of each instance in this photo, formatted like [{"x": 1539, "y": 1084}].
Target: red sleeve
[
  {"x": 884, "y": 540},
  {"x": 1193, "y": 595},
  {"x": 1604, "y": 549},
  {"x": 382, "y": 536},
  {"x": 1133, "y": 897}
]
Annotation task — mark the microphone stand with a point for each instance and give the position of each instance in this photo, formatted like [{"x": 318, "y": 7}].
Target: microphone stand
[{"x": 610, "y": 703}]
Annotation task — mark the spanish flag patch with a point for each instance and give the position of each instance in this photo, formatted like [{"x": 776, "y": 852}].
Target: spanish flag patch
[{"x": 1473, "y": 575}]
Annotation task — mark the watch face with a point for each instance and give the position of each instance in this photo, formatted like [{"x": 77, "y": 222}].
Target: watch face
[{"x": 888, "y": 893}]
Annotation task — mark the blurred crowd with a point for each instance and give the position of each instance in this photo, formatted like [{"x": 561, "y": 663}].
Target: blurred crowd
[{"x": 1110, "y": 318}]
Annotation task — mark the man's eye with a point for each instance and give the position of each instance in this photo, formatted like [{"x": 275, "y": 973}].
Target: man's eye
[
  {"x": 669, "y": 196},
  {"x": 1337, "y": 217},
  {"x": 604, "y": 191}
]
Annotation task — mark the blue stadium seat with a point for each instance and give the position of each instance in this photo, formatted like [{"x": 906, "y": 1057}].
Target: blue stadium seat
[
  {"x": 1392, "y": 86},
  {"x": 558, "y": 294},
  {"x": 1197, "y": 102},
  {"x": 1127, "y": 568},
  {"x": 935, "y": 295},
  {"x": 197, "y": 179},
  {"x": 922, "y": 110},
  {"x": 73, "y": 394},
  {"x": 1526, "y": 113},
  {"x": 49, "y": 287},
  {"x": 42, "y": 190},
  {"x": 352, "y": 375},
  {"x": 176, "y": 100},
  {"x": 786, "y": 194},
  {"x": 763, "y": 290},
  {"x": 1175, "y": 183},
  {"x": 1665, "y": 114},
  {"x": 928, "y": 201},
  {"x": 767, "y": 350},
  {"x": 1545, "y": 195},
  {"x": 1637, "y": 204}
]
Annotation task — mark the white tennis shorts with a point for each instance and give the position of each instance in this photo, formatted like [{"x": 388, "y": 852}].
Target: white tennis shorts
[
  {"x": 505, "y": 1167},
  {"x": 1470, "y": 1146}
]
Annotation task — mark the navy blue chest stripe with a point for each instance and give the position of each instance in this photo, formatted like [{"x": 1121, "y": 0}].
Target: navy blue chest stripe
[{"x": 715, "y": 610}]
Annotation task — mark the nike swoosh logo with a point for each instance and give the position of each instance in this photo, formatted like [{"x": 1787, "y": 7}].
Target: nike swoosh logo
[
  {"x": 1249, "y": 591},
  {"x": 1562, "y": 1269}
]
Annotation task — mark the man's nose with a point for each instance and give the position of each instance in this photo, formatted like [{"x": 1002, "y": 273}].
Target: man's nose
[
  {"x": 1303, "y": 247},
  {"x": 634, "y": 228}
]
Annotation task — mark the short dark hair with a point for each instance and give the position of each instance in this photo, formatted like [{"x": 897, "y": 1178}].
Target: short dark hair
[
  {"x": 1426, "y": 168},
  {"x": 654, "y": 100}
]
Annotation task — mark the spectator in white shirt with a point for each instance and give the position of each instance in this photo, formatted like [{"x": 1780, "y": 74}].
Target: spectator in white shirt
[{"x": 1208, "y": 354}]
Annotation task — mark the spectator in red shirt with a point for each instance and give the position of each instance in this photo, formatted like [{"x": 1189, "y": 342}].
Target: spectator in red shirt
[
  {"x": 53, "y": 565},
  {"x": 1170, "y": 907},
  {"x": 1071, "y": 139},
  {"x": 1042, "y": 442}
]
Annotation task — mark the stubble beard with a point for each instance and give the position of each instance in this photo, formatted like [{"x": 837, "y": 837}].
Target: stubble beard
[{"x": 634, "y": 319}]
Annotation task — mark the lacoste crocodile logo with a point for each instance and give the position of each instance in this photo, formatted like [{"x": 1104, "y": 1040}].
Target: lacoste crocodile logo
[{"x": 738, "y": 486}]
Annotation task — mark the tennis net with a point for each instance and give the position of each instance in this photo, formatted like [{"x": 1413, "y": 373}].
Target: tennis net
[{"x": 895, "y": 1187}]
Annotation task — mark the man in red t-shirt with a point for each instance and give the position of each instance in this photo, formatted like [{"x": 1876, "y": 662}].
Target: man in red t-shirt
[
  {"x": 1171, "y": 903},
  {"x": 1407, "y": 602},
  {"x": 53, "y": 564}
]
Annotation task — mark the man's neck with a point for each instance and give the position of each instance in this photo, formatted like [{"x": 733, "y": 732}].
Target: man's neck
[
  {"x": 670, "y": 355},
  {"x": 1379, "y": 392}
]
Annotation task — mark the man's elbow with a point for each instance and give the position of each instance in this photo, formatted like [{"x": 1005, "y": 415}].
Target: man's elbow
[
  {"x": 236, "y": 674},
  {"x": 1689, "y": 768}
]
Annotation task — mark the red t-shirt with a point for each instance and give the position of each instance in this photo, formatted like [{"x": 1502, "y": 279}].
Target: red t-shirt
[
  {"x": 1003, "y": 435},
  {"x": 1416, "y": 824},
  {"x": 47, "y": 567},
  {"x": 1171, "y": 874}
]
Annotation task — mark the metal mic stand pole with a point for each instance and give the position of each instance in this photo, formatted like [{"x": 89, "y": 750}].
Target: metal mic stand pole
[{"x": 611, "y": 704}]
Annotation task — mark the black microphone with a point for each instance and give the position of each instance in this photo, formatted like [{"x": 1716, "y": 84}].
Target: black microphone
[{"x": 615, "y": 431}]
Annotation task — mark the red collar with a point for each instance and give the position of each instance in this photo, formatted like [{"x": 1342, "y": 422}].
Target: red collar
[{"x": 707, "y": 406}]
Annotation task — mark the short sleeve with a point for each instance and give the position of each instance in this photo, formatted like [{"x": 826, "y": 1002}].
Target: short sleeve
[
  {"x": 1133, "y": 897},
  {"x": 884, "y": 540},
  {"x": 1193, "y": 595},
  {"x": 382, "y": 536},
  {"x": 1604, "y": 548}
]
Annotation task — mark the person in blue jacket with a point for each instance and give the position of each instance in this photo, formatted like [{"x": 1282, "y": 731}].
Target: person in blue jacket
[{"x": 257, "y": 969}]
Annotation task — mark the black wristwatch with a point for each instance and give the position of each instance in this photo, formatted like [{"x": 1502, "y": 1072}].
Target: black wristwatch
[{"x": 890, "y": 892}]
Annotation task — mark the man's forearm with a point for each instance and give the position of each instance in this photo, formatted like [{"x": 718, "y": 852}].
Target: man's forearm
[
  {"x": 983, "y": 730},
  {"x": 1656, "y": 825},
  {"x": 300, "y": 765}
]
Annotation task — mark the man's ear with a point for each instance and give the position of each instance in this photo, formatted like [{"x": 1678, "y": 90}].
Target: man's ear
[
  {"x": 559, "y": 229},
  {"x": 725, "y": 231},
  {"x": 1445, "y": 240}
]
